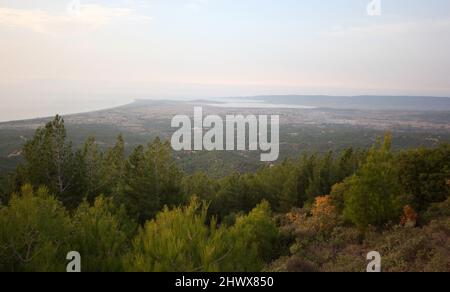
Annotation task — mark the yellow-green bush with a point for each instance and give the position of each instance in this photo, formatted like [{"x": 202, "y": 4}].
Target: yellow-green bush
[
  {"x": 181, "y": 240},
  {"x": 34, "y": 232}
]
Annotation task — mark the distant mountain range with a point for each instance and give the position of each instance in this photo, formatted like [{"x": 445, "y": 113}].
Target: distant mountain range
[{"x": 407, "y": 103}]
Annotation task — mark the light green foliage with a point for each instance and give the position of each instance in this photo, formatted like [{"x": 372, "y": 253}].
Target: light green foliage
[
  {"x": 254, "y": 240},
  {"x": 337, "y": 195},
  {"x": 34, "y": 230},
  {"x": 181, "y": 240},
  {"x": 374, "y": 194},
  {"x": 178, "y": 240},
  {"x": 101, "y": 233}
]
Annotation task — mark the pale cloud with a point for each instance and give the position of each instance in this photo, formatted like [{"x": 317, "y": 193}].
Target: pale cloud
[
  {"x": 196, "y": 4},
  {"x": 90, "y": 16},
  {"x": 392, "y": 29}
]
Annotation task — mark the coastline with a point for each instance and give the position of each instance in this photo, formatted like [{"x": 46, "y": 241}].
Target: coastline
[
  {"x": 71, "y": 113},
  {"x": 367, "y": 103}
]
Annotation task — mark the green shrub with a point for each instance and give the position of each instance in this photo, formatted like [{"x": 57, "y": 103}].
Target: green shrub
[
  {"x": 101, "y": 233},
  {"x": 180, "y": 240},
  {"x": 374, "y": 196},
  {"x": 34, "y": 232}
]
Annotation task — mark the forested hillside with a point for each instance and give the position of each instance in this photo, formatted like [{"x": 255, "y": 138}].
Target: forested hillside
[{"x": 140, "y": 212}]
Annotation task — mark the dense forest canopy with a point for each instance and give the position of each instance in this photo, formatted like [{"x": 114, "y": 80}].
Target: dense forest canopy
[{"x": 140, "y": 212}]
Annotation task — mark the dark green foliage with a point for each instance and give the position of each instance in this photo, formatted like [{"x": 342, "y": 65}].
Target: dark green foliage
[
  {"x": 438, "y": 210},
  {"x": 150, "y": 181},
  {"x": 233, "y": 196},
  {"x": 144, "y": 182},
  {"x": 114, "y": 162},
  {"x": 425, "y": 174},
  {"x": 4, "y": 193},
  {"x": 200, "y": 185},
  {"x": 51, "y": 162},
  {"x": 129, "y": 210},
  {"x": 7, "y": 187},
  {"x": 91, "y": 169},
  {"x": 286, "y": 185}
]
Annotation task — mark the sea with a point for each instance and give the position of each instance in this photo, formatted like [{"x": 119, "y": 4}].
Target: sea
[
  {"x": 31, "y": 108},
  {"x": 14, "y": 109}
]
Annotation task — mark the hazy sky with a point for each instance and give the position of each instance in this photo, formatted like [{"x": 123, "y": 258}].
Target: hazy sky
[{"x": 158, "y": 48}]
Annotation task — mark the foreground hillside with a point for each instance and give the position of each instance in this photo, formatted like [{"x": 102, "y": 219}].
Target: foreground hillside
[{"x": 141, "y": 212}]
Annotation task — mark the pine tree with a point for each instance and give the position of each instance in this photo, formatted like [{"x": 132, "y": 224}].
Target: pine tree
[
  {"x": 113, "y": 167},
  {"x": 150, "y": 181},
  {"x": 181, "y": 240},
  {"x": 34, "y": 232},
  {"x": 90, "y": 170},
  {"x": 199, "y": 185},
  {"x": 101, "y": 235},
  {"x": 253, "y": 240},
  {"x": 375, "y": 195},
  {"x": 305, "y": 176},
  {"x": 49, "y": 161},
  {"x": 425, "y": 174},
  {"x": 178, "y": 240}
]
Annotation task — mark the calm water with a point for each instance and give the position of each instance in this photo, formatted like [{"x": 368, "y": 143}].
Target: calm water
[
  {"x": 23, "y": 108},
  {"x": 256, "y": 104}
]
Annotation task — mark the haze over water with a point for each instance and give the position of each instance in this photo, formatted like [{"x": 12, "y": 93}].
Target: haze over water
[
  {"x": 22, "y": 109},
  {"x": 106, "y": 53}
]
